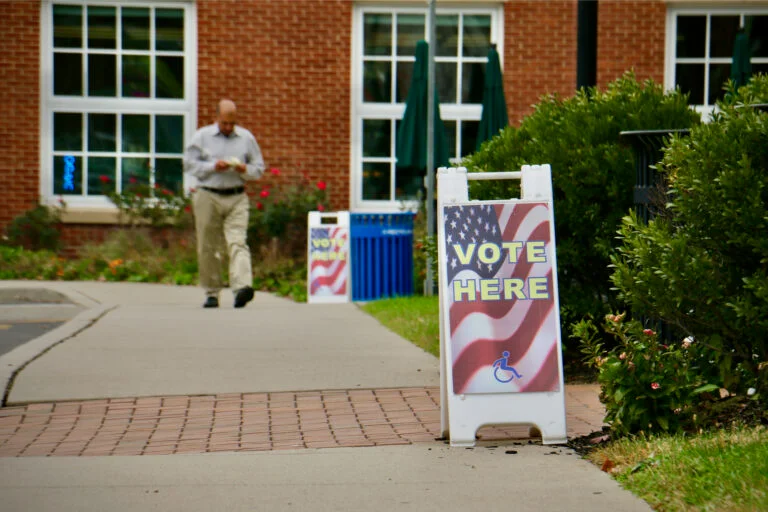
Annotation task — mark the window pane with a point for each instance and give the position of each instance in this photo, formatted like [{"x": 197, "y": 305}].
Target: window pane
[
  {"x": 102, "y": 129},
  {"x": 472, "y": 82},
  {"x": 469, "y": 137},
  {"x": 101, "y": 175},
  {"x": 136, "y": 134},
  {"x": 169, "y": 77},
  {"x": 722, "y": 35},
  {"x": 67, "y": 74},
  {"x": 67, "y": 132},
  {"x": 169, "y": 134},
  {"x": 169, "y": 174},
  {"x": 759, "y": 68},
  {"x": 445, "y": 81},
  {"x": 690, "y": 79},
  {"x": 67, "y": 26},
  {"x": 691, "y": 34},
  {"x": 409, "y": 183},
  {"x": 477, "y": 35},
  {"x": 102, "y": 28},
  {"x": 450, "y": 137},
  {"x": 377, "y": 82},
  {"x": 758, "y": 34},
  {"x": 447, "y": 29},
  {"x": 377, "y": 34},
  {"x": 718, "y": 74},
  {"x": 135, "y": 171},
  {"x": 135, "y": 28},
  {"x": 67, "y": 175},
  {"x": 376, "y": 181},
  {"x": 404, "y": 77},
  {"x": 376, "y": 137},
  {"x": 102, "y": 75},
  {"x": 169, "y": 29},
  {"x": 410, "y": 29},
  {"x": 135, "y": 76}
]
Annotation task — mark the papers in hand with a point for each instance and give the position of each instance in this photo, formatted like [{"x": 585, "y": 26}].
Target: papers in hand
[{"x": 234, "y": 161}]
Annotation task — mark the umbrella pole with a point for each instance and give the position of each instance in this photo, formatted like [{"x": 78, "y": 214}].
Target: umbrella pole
[{"x": 430, "y": 141}]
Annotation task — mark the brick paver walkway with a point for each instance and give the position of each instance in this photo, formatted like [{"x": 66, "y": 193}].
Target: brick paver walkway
[{"x": 250, "y": 421}]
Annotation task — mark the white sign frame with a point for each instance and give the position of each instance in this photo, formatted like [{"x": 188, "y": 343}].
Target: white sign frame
[{"x": 463, "y": 414}]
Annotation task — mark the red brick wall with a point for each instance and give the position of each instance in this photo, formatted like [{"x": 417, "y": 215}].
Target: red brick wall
[
  {"x": 19, "y": 108},
  {"x": 630, "y": 36},
  {"x": 539, "y": 52},
  {"x": 286, "y": 63}
]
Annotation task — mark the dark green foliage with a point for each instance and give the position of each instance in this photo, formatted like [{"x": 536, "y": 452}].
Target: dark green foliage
[
  {"x": 592, "y": 173},
  {"x": 703, "y": 267},
  {"x": 36, "y": 229}
]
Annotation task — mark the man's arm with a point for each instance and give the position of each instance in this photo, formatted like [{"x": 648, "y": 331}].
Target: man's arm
[
  {"x": 197, "y": 161},
  {"x": 254, "y": 164}
]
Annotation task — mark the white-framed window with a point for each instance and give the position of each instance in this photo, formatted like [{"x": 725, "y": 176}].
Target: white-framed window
[
  {"x": 384, "y": 43},
  {"x": 700, "y": 49},
  {"x": 118, "y": 96}
]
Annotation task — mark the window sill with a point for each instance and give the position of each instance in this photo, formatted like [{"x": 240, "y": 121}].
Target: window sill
[{"x": 84, "y": 215}]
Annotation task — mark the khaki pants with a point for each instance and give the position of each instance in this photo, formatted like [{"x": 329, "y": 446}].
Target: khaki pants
[{"x": 217, "y": 215}]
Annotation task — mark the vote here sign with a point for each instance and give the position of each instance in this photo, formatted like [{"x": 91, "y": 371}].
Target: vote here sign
[{"x": 501, "y": 299}]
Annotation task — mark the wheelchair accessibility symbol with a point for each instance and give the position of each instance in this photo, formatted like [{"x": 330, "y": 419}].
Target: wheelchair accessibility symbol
[{"x": 502, "y": 371}]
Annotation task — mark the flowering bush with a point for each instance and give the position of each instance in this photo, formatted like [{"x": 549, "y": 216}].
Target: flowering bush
[
  {"x": 37, "y": 229},
  {"x": 141, "y": 204},
  {"x": 279, "y": 215},
  {"x": 646, "y": 385}
]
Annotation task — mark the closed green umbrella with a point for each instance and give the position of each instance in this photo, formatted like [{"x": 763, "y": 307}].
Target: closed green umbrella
[
  {"x": 741, "y": 66},
  {"x": 494, "y": 117},
  {"x": 412, "y": 134}
]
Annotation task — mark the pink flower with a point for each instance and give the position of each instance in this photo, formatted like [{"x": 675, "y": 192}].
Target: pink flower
[
  {"x": 655, "y": 385},
  {"x": 321, "y": 185},
  {"x": 104, "y": 179},
  {"x": 259, "y": 206},
  {"x": 320, "y": 208},
  {"x": 623, "y": 356},
  {"x": 648, "y": 332},
  {"x": 264, "y": 192},
  {"x": 193, "y": 190},
  {"x": 275, "y": 171}
]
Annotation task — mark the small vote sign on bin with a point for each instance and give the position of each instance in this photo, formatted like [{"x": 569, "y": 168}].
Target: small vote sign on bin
[{"x": 328, "y": 257}]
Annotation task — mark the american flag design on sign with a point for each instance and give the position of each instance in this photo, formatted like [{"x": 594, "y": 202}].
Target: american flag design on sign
[
  {"x": 504, "y": 332},
  {"x": 329, "y": 260}
]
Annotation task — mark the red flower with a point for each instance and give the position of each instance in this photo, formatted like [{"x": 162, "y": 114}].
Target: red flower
[
  {"x": 648, "y": 332},
  {"x": 321, "y": 185},
  {"x": 104, "y": 179},
  {"x": 320, "y": 207},
  {"x": 275, "y": 171},
  {"x": 655, "y": 385},
  {"x": 187, "y": 208},
  {"x": 264, "y": 192},
  {"x": 132, "y": 179},
  {"x": 165, "y": 192},
  {"x": 259, "y": 206}
]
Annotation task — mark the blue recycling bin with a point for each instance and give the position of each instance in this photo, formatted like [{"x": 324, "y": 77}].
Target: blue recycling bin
[{"x": 381, "y": 254}]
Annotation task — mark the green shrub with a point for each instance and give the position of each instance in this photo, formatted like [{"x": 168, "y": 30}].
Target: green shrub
[
  {"x": 592, "y": 174},
  {"x": 36, "y": 229},
  {"x": 139, "y": 204},
  {"x": 646, "y": 385},
  {"x": 703, "y": 268},
  {"x": 278, "y": 218}
]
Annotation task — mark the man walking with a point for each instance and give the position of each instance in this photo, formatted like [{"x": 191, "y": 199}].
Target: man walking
[{"x": 223, "y": 156}]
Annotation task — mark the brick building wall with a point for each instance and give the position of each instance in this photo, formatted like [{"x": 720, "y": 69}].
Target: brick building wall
[
  {"x": 630, "y": 35},
  {"x": 19, "y": 108},
  {"x": 286, "y": 63},
  {"x": 539, "y": 52}
]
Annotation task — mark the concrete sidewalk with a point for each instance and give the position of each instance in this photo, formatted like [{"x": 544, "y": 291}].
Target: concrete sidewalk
[{"x": 144, "y": 370}]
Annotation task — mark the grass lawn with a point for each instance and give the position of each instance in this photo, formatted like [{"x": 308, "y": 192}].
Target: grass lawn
[{"x": 414, "y": 318}]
